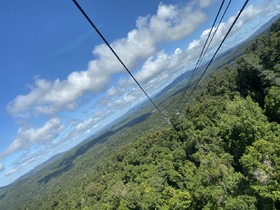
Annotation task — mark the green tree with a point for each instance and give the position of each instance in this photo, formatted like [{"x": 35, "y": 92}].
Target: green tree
[
  {"x": 272, "y": 104},
  {"x": 242, "y": 202},
  {"x": 241, "y": 124},
  {"x": 249, "y": 80},
  {"x": 176, "y": 199},
  {"x": 261, "y": 164}
]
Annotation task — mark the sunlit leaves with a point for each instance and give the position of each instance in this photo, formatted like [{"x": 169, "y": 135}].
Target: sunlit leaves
[
  {"x": 242, "y": 123},
  {"x": 272, "y": 104},
  {"x": 261, "y": 164}
]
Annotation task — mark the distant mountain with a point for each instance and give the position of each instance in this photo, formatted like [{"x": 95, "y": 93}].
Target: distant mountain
[
  {"x": 264, "y": 27},
  {"x": 3, "y": 188},
  {"x": 43, "y": 165},
  {"x": 175, "y": 83}
]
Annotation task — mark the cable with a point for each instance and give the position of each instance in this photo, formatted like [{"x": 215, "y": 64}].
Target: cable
[
  {"x": 214, "y": 32},
  {"x": 243, "y": 7},
  {"x": 202, "y": 51},
  {"x": 103, "y": 38},
  {"x": 200, "y": 60}
]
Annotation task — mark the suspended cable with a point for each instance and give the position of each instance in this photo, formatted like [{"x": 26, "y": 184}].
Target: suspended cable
[
  {"x": 229, "y": 30},
  {"x": 214, "y": 33},
  {"x": 202, "y": 51},
  {"x": 116, "y": 55},
  {"x": 200, "y": 60}
]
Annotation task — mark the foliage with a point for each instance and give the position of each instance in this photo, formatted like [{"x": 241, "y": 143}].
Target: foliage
[{"x": 272, "y": 104}]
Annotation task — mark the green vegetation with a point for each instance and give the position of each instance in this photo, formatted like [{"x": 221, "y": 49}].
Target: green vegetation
[{"x": 224, "y": 153}]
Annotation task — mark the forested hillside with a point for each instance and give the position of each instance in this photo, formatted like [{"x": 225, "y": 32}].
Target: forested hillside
[{"x": 223, "y": 153}]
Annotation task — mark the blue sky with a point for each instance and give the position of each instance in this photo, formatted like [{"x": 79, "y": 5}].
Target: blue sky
[{"x": 60, "y": 83}]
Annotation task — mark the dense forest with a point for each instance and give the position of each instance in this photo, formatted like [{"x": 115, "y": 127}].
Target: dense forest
[{"x": 222, "y": 153}]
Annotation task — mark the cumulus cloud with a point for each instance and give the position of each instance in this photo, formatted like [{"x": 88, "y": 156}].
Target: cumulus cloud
[
  {"x": 154, "y": 65},
  {"x": 178, "y": 51},
  {"x": 161, "y": 68},
  {"x": 48, "y": 97},
  {"x": 171, "y": 23},
  {"x": 26, "y": 138}
]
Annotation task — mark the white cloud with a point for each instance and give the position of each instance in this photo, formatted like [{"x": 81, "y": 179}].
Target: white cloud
[
  {"x": 112, "y": 91},
  {"x": 26, "y": 163},
  {"x": 1, "y": 167},
  {"x": 26, "y": 138},
  {"x": 247, "y": 16},
  {"x": 153, "y": 66},
  {"x": 156, "y": 72},
  {"x": 85, "y": 124},
  {"x": 180, "y": 22},
  {"x": 178, "y": 51},
  {"x": 48, "y": 97},
  {"x": 25, "y": 159},
  {"x": 11, "y": 172},
  {"x": 161, "y": 68},
  {"x": 121, "y": 101},
  {"x": 117, "y": 91}
]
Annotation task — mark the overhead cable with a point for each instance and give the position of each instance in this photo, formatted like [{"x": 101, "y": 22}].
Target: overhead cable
[
  {"x": 229, "y": 30},
  {"x": 203, "y": 49},
  {"x": 116, "y": 55},
  {"x": 214, "y": 33}
]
